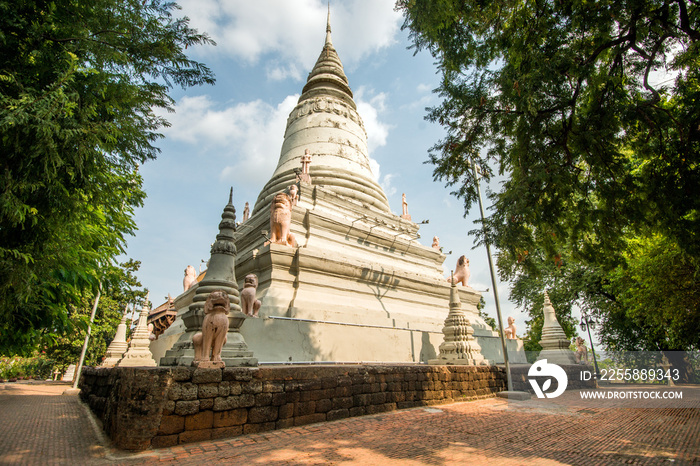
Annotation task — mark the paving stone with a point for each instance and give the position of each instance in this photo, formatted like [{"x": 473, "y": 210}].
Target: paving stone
[{"x": 39, "y": 426}]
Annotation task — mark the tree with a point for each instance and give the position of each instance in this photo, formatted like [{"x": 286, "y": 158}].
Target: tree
[
  {"x": 64, "y": 348},
  {"x": 591, "y": 115},
  {"x": 79, "y": 82}
]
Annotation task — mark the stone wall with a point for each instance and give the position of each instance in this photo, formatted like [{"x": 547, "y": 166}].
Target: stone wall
[{"x": 159, "y": 407}]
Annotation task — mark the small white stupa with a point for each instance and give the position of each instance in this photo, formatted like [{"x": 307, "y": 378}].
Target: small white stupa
[
  {"x": 116, "y": 349},
  {"x": 555, "y": 344},
  {"x": 459, "y": 346},
  {"x": 139, "y": 354}
]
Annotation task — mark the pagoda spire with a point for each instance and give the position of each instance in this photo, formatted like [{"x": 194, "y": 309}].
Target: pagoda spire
[{"x": 328, "y": 26}]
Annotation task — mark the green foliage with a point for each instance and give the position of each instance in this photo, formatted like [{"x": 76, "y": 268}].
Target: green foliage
[
  {"x": 564, "y": 100},
  {"x": 490, "y": 321},
  {"x": 79, "y": 82},
  {"x": 121, "y": 290},
  {"x": 657, "y": 299},
  {"x": 36, "y": 367}
]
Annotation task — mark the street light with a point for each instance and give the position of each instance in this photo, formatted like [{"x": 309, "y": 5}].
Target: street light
[
  {"x": 588, "y": 323},
  {"x": 477, "y": 173}
]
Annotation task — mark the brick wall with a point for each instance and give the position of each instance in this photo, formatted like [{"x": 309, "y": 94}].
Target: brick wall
[{"x": 158, "y": 407}]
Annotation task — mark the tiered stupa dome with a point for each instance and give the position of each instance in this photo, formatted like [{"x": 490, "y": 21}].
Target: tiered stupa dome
[{"x": 325, "y": 121}]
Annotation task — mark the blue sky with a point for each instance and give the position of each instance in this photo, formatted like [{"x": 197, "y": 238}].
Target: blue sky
[{"x": 230, "y": 134}]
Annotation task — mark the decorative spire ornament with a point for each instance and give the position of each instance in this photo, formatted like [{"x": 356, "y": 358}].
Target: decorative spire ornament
[
  {"x": 555, "y": 344},
  {"x": 221, "y": 276},
  {"x": 116, "y": 349},
  {"x": 459, "y": 345},
  {"x": 139, "y": 353}
]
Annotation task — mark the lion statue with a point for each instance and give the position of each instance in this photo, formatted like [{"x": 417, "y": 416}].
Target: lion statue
[
  {"x": 462, "y": 273},
  {"x": 581, "y": 353},
  {"x": 281, "y": 218},
  {"x": 209, "y": 342},
  {"x": 190, "y": 278},
  {"x": 249, "y": 304}
]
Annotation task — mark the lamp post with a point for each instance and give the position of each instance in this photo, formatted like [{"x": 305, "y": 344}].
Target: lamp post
[
  {"x": 493, "y": 279},
  {"x": 588, "y": 323}
]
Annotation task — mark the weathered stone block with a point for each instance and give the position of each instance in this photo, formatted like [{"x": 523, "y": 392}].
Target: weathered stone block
[
  {"x": 309, "y": 419},
  {"x": 164, "y": 441},
  {"x": 344, "y": 381},
  {"x": 171, "y": 425},
  {"x": 226, "y": 432},
  {"x": 377, "y": 398},
  {"x": 376, "y": 409},
  {"x": 206, "y": 375},
  {"x": 273, "y": 386},
  {"x": 321, "y": 394},
  {"x": 168, "y": 407},
  {"x": 357, "y": 411},
  {"x": 304, "y": 408},
  {"x": 182, "y": 374},
  {"x": 201, "y": 420},
  {"x": 323, "y": 406},
  {"x": 253, "y": 386},
  {"x": 343, "y": 391},
  {"x": 194, "y": 436},
  {"x": 206, "y": 403},
  {"x": 234, "y": 417},
  {"x": 336, "y": 414},
  {"x": 224, "y": 388},
  {"x": 284, "y": 423},
  {"x": 278, "y": 399},
  {"x": 183, "y": 408},
  {"x": 345, "y": 402},
  {"x": 259, "y": 414},
  {"x": 263, "y": 399},
  {"x": 361, "y": 400},
  {"x": 329, "y": 382},
  {"x": 235, "y": 388},
  {"x": 286, "y": 411},
  {"x": 241, "y": 374},
  {"x": 255, "y": 428},
  {"x": 208, "y": 390},
  {"x": 187, "y": 392}
]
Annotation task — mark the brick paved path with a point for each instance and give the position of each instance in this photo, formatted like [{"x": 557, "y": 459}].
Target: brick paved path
[{"x": 41, "y": 429}]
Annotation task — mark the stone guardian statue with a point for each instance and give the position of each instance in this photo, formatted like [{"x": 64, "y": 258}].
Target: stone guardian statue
[
  {"x": 190, "y": 278},
  {"x": 249, "y": 305},
  {"x": 281, "y": 218},
  {"x": 209, "y": 342},
  {"x": 462, "y": 273}
]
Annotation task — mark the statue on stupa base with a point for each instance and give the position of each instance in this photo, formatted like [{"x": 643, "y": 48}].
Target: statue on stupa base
[
  {"x": 246, "y": 212},
  {"x": 281, "y": 218},
  {"x": 304, "y": 176},
  {"x": 209, "y": 342},
  {"x": 436, "y": 243},
  {"x": 249, "y": 305},
  {"x": 404, "y": 208},
  {"x": 510, "y": 330},
  {"x": 462, "y": 273},
  {"x": 190, "y": 278}
]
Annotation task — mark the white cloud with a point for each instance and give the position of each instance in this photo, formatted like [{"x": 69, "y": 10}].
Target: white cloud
[
  {"x": 293, "y": 30},
  {"x": 386, "y": 185},
  {"x": 282, "y": 73},
  {"x": 245, "y": 138},
  {"x": 370, "y": 110}
]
